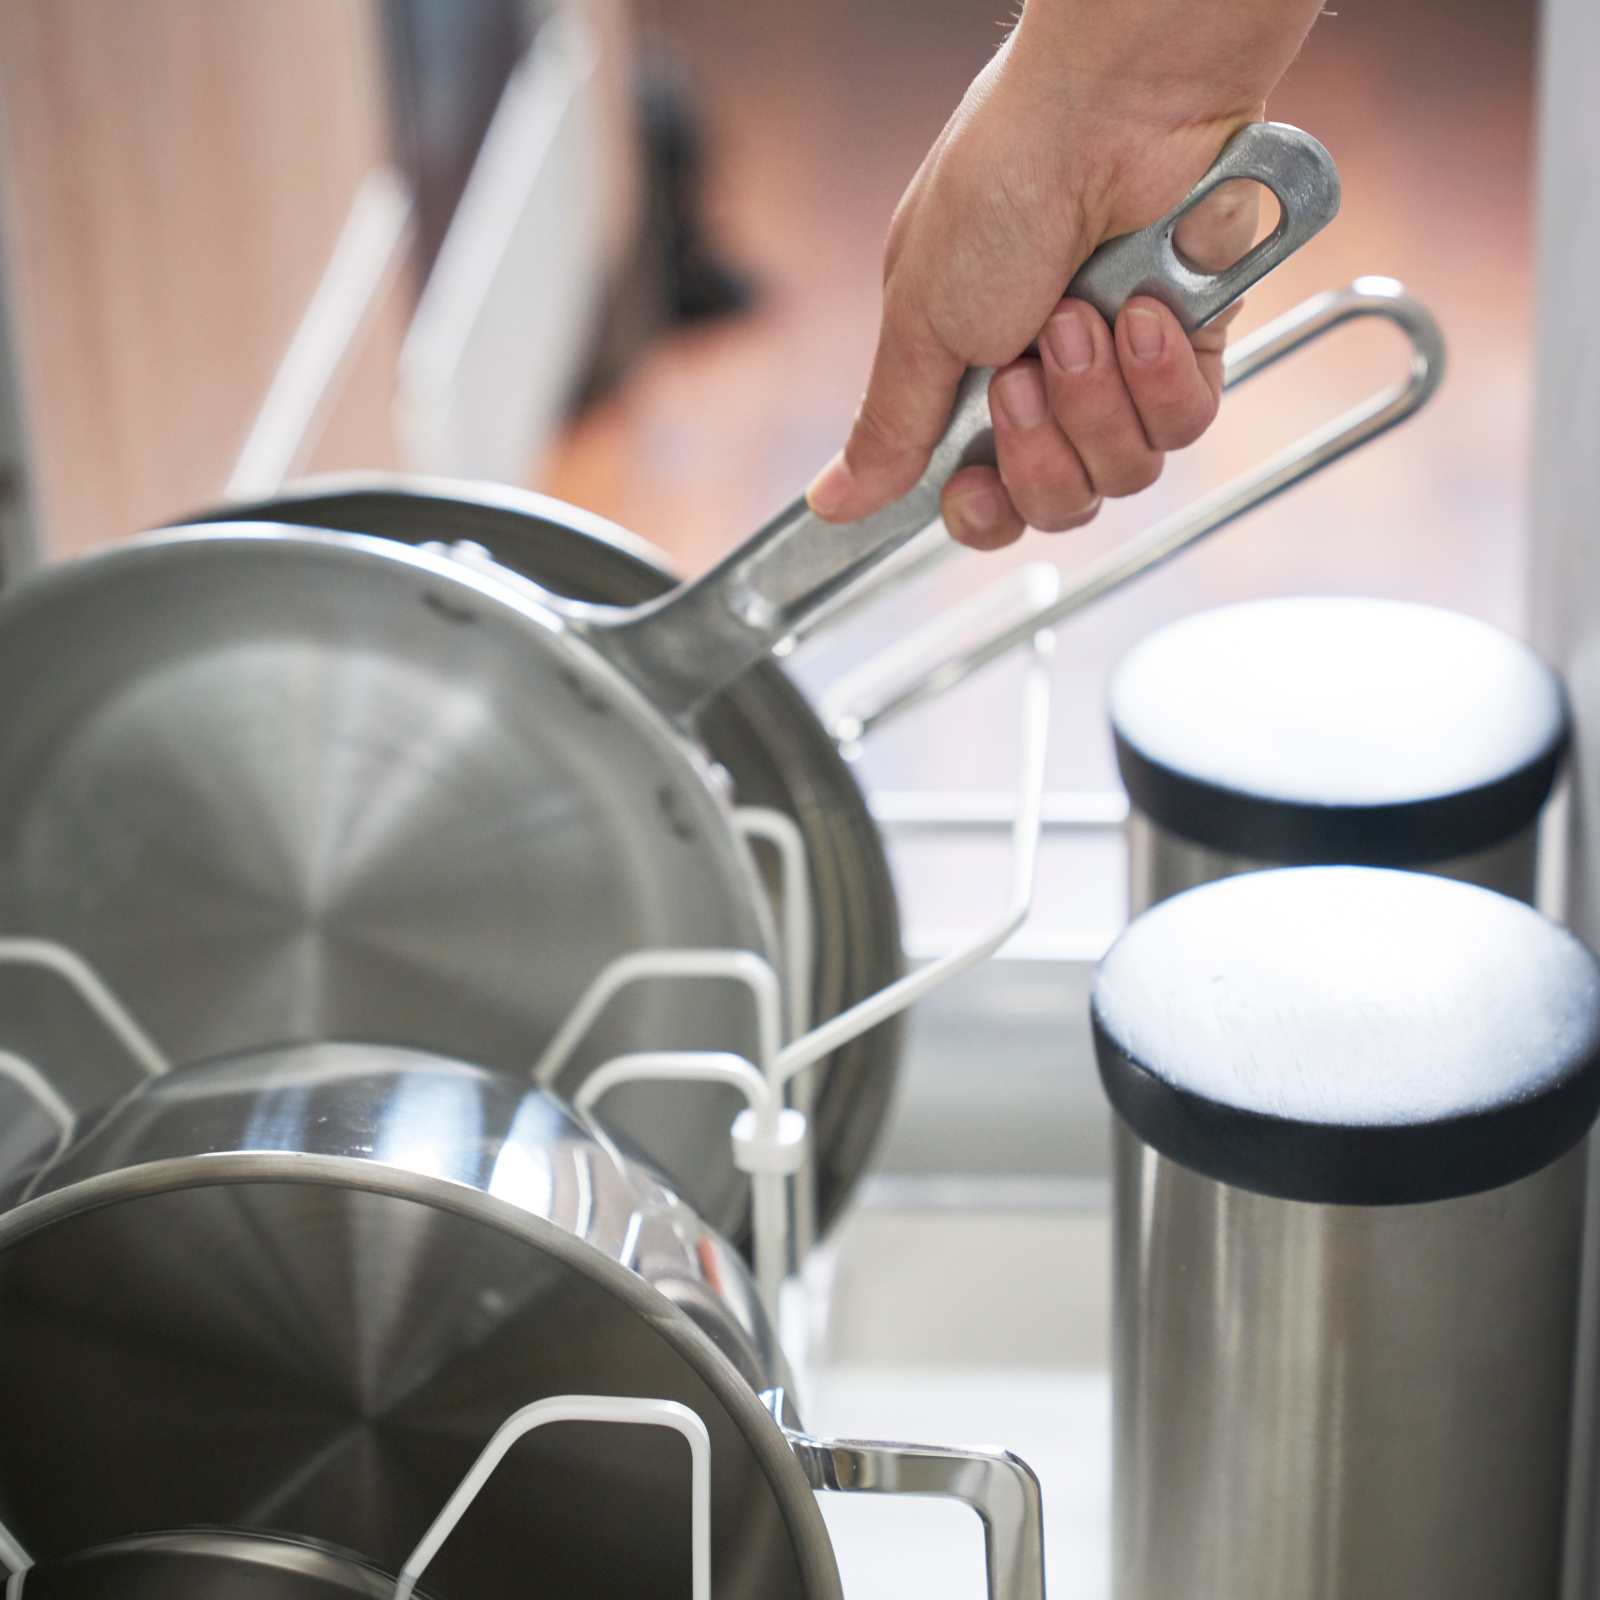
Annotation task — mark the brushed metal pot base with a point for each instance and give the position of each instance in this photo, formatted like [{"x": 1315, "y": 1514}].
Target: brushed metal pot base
[{"x": 276, "y": 1350}]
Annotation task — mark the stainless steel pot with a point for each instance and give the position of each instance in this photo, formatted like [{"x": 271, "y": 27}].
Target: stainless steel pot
[
  {"x": 296, "y": 1292},
  {"x": 373, "y": 792}
]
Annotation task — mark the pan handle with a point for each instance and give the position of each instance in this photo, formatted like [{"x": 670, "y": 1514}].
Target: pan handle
[
  {"x": 692, "y": 643},
  {"x": 998, "y": 1485},
  {"x": 922, "y": 665}
]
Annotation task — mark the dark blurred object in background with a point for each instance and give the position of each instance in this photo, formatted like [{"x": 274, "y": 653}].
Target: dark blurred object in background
[{"x": 450, "y": 64}]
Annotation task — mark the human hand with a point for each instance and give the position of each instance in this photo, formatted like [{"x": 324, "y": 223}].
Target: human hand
[{"x": 1036, "y": 168}]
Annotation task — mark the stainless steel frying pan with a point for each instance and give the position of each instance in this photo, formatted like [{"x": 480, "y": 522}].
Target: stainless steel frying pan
[
  {"x": 761, "y": 729},
  {"x": 286, "y": 785}
]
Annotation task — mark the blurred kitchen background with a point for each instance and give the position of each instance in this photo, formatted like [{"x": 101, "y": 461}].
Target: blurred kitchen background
[{"x": 627, "y": 251}]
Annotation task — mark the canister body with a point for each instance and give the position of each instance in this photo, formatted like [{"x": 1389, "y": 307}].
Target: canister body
[
  {"x": 1163, "y": 863},
  {"x": 1340, "y": 1402}
]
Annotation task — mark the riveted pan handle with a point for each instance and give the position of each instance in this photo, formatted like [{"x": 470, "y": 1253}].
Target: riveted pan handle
[
  {"x": 999, "y": 1486},
  {"x": 689, "y": 645}
]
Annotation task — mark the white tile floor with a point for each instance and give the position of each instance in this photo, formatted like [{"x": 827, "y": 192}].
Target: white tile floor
[{"x": 970, "y": 1328}]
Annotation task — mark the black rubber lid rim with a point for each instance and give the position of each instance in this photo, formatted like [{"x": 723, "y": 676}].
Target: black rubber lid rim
[
  {"x": 1286, "y": 1054},
  {"x": 1315, "y": 729},
  {"x": 1296, "y": 833},
  {"x": 1329, "y": 1165}
]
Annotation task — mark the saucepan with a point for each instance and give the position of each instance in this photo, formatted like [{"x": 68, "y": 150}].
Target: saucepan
[
  {"x": 376, "y": 792},
  {"x": 294, "y": 1292}
]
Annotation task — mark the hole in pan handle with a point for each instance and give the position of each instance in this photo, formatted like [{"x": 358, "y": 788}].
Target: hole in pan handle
[{"x": 692, "y": 643}]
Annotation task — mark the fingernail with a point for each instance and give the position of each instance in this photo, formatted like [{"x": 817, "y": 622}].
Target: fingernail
[
  {"x": 1021, "y": 397},
  {"x": 830, "y": 488},
  {"x": 1144, "y": 333},
  {"x": 979, "y": 512},
  {"x": 1071, "y": 343}
]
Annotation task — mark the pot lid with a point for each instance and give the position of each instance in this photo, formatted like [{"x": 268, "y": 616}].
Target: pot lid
[
  {"x": 1338, "y": 729},
  {"x": 1350, "y": 1035}
]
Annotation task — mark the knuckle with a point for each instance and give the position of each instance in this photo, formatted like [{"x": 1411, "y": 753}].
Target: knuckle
[
  {"x": 1089, "y": 406},
  {"x": 1129, "y": 475},
  {"x": 1179, "y": 426},
  {"x": 1047, "y": 492},
  {"x": 1080, "y": 518},
  {"x": 1057, "y": 520},
  {"x": 1053, "y": 507},
  {"x": 876, "y": 442}
]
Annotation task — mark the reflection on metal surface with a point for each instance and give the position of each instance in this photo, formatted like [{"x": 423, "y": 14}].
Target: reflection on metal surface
[
  {"x": 1340, "y": 1401},
  {"x": 1162, "y": 863},
  {"x": 998, "y": 1486},
  {"x": 204, "y": 1564}
]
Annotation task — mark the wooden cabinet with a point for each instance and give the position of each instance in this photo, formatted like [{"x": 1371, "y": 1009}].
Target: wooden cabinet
[{"x": 176, "y": 175}]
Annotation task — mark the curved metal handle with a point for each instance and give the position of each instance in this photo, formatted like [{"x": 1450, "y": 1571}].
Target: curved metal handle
[
  {"x": 998, "y": 1485},
  {"x": 692, "y": 643},
  {"x": 867, "y": 700},
  {"x": 944, "y": 641}
]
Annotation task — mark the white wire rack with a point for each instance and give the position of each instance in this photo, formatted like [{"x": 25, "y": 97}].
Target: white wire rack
[{"x": 770, "y": 1139}]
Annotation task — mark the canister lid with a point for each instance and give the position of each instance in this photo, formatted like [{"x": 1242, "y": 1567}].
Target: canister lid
[
  {"x": 1338, "y": 729},
  {"x": 1351, "y": 1035}
]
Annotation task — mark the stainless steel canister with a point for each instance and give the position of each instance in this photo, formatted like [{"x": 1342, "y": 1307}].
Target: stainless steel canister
[
  {"x": 1334, "y": 730},
  {"x": 1348, "y": 1202}
]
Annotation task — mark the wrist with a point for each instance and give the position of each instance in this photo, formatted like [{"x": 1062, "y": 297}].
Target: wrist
[{"x": 1170, "y": 63}]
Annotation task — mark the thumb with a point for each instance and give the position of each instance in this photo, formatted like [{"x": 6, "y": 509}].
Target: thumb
[{"x": 899, "y": 420}]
